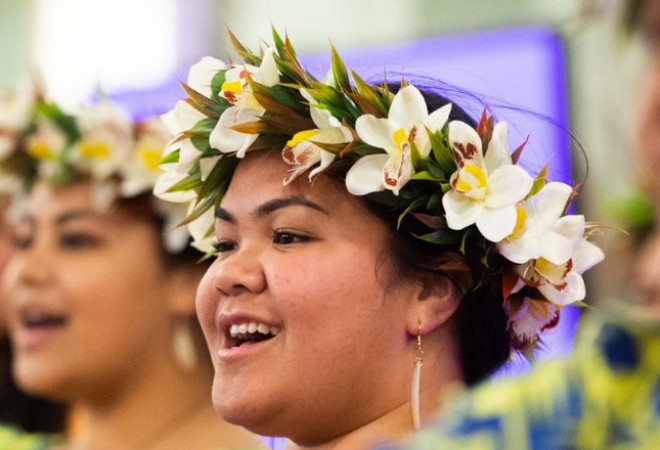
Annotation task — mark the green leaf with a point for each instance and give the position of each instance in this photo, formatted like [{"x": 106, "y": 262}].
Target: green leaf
[
  {"x": 441, "y": 151},
  {"x": 285, "y": 96},
  {"x": 368, "y": 94},
  {"x": 425, "y": 175},
  {"x": 539, "y": 182},
  {"x": 170, "y": 158},
  {"x": 436, "y": 171},
  {"x": 435, "y": 202},
  {"x": 201, "y": 143},
  {"x": 201, "y": 103},
  {"x": 339, "y": 71},
  {"x": 414, "y": 205},
  {"x": 191, "y": 182},
  {"x": 201, "y": 208},
  {"x": 202, "y": 128},
  {"x": 444, "y": 237},
  {"x": 280, "y": 46},
  {"x": 223, "y": 169},
  {"x": 246, "y": 54}
]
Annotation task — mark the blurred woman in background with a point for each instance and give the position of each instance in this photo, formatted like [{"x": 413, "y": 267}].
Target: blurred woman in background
[{"x": 100, "y": 291}]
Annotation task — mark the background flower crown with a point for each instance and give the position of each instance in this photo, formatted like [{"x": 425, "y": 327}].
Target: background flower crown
[
  {"x": 462, "y": 183},
  {"x": 41, "y": 142}
]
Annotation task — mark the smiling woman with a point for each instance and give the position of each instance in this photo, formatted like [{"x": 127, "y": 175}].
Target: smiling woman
[
  {"x": 419, "y": 245},
  {"x": 99, "y": 291}
]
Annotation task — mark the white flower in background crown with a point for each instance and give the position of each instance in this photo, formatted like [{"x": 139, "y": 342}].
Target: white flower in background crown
[{"x": 462, "y": 182}]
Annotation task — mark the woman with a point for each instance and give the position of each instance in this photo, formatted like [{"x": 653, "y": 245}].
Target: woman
[
  {"x": 100, "y": 293},
  {"x": 410, "y": 251}
]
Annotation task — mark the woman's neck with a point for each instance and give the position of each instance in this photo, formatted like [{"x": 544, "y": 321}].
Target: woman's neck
[{"x": 143, "y": 412}]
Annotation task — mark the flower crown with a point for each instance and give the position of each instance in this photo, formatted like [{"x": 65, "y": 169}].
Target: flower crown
[
  {"x": 461, "y": 182},
  {"x": 39, "y": 141}
]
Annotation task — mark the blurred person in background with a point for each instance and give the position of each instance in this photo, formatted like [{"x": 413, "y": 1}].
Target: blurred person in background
[
  {"x": 26, "y": 422},
  {"x": 99, "y": 293},
  {"x": 374, "y": 246}
]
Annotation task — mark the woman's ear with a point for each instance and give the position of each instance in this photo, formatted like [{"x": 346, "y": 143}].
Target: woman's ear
[
  {"x": 436, "y": 302},
  {"x": 182, "y": 282}
]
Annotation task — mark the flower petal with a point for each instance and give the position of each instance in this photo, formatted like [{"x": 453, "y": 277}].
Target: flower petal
[
  {"x": 227, "y": 140},
  {"x": 519, "y": 250},
  {"x": 301, "y": 157},
  {"x": 377, "y": 132},
  {"x": 465, "y": 143},
  {"x": 586, "y": 256},
  {"x": 201, "y": 74},
  {"x": 438, "y": 118},
  {"x": 207, "y": 164},
  {"x": 498, "y": 154},
  {"x": 497, "y": 223},
  {"x": 546, "y": 207},
  {"x": 507, "y": 186},
  {"x": 267, "y": 73},
  {"x": 571, "y": 291},
  {"x": 182, "y": 117},
  {"x": 408, "y": 108},
  {"x": 366, "y": 175},
  {"x": 558, "y": 245},
  {"x": 460, "y": 211},
  {"x": 188, "y": 154},
  {"x": 326, "y": 160}
]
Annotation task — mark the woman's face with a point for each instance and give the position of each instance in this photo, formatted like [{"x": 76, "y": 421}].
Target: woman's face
[
  {"x": 308, "y": 263},
  {"x": 86, "y": 296}
]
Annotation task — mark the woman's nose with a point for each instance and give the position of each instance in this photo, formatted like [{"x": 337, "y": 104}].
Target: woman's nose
[
  {"x": 240, "y": 273},
  {"x": 31, "y": 267}
]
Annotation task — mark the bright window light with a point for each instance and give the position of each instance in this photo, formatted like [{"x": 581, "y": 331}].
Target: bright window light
[{"x": 86, "y": 46}]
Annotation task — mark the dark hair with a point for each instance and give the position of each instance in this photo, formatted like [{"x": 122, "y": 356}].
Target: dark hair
[
  {"x": 482, "y": 323},
  {"x": 32, "y": 414}
]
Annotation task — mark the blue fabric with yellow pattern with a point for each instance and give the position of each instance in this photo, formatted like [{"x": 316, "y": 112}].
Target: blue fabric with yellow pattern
[
  {"x": 605, "y": 396},
  {"x": 12, "y": 438}
]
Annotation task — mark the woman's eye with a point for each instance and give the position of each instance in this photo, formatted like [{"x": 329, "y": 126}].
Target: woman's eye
[
  {"x": 74, "y": 241},
  {"x": 21, "y": 242},
  {"x": 285, "y": 237},
  {"x": 224, "y": 246}
]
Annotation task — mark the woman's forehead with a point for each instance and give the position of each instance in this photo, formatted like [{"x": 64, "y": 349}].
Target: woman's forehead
[{"x": 259, "y": 178}]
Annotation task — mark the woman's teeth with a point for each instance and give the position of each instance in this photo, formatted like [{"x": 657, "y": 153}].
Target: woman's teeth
[{"x": 251, "y": 332}]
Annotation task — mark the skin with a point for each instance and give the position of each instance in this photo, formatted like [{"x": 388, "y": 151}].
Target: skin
[
  {"x": 113, "y": 360},
  {"x": 311, "y": 259}
]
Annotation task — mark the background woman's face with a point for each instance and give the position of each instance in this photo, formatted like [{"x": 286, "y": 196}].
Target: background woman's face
[
  {"x": 311, "y": 262},
  {"x": 85, "y": 295}
]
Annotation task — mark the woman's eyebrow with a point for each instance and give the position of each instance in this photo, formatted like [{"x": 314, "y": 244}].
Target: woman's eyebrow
[
  {"x": 273, "y": 205},
  {"x": 76, "y": 214}
]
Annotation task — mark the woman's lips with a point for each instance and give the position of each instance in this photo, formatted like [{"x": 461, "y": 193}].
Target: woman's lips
[{"x": 37, "y": 327}]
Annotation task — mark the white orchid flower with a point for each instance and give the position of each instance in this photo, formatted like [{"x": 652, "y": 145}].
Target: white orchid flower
[
  {"x": 202, "y": 72},
  {"x": 532, "y": 318},
  {"x": 106, "y": 139},
  {"x": 141, "y": 171},
  {"x": 406, "y": 122},
  {"x": 245, "y": 107},
  {"x": 541, "y": 231},
  {"x": 301, "y": 152},
  {"x": 562, "y": 284},
  {"x": 16, "y": 107},
  {"x": 199, "y": 230},
  {"x": 47, "y": 142},
  {"x": 485, "y": 190},
  {"x": 182, "y": 118}
]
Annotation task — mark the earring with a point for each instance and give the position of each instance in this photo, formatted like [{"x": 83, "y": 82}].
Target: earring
[
  {"x": 417, "y": 376},
  {"x": 185, "y": 353}
]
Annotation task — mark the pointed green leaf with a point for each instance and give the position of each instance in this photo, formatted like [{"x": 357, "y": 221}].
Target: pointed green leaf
[
  {"x": 172, "y": 157},
  {"x": 539, "y": 182},
  {"x": 414, "y": 205},
  {"x": 339, "y": 71}
]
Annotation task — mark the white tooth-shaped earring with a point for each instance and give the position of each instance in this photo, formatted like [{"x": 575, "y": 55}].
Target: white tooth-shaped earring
[
  {"x": 416, "y": 381},
  {"x": 185, "y": 353}
]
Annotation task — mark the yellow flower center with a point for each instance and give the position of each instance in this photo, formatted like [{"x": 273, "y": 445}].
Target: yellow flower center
[
  {"x": 302, "y": 136},
  {"x": 39, "y": 149},
  {"x": 401, "y": 140},
  {"x": 471, "y": 178},
  {"x": 231, "y": 90},
  {"x": 521, "y": 223},
  {"x": 554, "y": 273},
  {"x": 150, "y": 156},
  {"x": 95, "y": 150}
]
